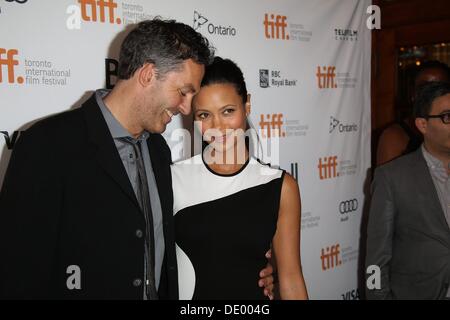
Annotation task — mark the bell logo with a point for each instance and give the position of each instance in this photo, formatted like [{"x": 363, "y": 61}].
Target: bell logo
[
  {"x": 92, "y": 11},
  {"x": 273, "y": 122},
  {"x": 275, "y": 27},
  {"x": 328, "y": 168},
  {"x": 331, "y": 257},
  {"x": 326, "y": 77},
  {"x": 7, "y": 59}
]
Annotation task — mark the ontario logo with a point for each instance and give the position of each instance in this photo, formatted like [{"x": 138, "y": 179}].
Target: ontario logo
[
  {"x": 341, "y": 128},
  {"x": 92, "y": 11},
  {"x": 215, "y": 29}
]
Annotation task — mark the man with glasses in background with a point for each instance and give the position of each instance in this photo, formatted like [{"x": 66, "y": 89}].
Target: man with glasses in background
[{"x": 409, "y": 220}]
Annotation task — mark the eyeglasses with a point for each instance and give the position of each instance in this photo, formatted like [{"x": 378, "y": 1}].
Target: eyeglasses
[{"x": 445, "y": 117}]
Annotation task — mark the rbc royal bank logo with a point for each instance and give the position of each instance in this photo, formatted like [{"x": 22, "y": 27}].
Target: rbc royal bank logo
[
  {"x": 264, "y": 81},
  {"x": 274, "y": 78}
]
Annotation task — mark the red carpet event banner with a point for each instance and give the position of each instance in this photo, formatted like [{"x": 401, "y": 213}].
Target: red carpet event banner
[{"x": 307, "y": 67}]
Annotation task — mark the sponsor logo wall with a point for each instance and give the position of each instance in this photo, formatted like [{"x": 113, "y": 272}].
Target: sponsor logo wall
[{"x": 307, "y": 67}]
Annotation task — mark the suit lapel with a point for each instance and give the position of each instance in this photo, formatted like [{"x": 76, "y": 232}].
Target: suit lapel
[
  {"x": 161, "y": 167},
  {"x": 106, "y": 152}
]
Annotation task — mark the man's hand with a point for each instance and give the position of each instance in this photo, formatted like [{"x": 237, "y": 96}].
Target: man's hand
[{"x": 267, "y": 277}]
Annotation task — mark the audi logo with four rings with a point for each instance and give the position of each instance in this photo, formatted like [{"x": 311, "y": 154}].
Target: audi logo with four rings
[{"x": 348, "y": 206}]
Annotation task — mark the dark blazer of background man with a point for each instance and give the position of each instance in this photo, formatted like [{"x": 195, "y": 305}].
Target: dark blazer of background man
[
  {"x": 67, "y": 201},
  {"x": 408, "y": 230}
]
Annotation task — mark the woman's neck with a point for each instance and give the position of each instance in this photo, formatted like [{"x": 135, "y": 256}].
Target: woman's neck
[{"x": 226, "y": 162}]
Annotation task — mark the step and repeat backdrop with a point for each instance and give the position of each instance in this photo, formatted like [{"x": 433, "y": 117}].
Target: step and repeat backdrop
[{"x": 307, "y": 67}]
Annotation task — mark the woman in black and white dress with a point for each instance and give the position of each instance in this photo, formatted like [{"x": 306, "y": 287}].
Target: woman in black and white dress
[{"x": 229, "y": 207}]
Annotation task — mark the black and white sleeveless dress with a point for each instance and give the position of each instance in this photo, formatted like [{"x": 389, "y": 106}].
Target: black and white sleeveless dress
[{"x": 224, "y": 226}]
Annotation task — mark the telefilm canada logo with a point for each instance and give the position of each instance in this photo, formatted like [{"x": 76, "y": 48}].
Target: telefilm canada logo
[
  {"x": 275, "y": 79},
  {"x": 350, "y": 35},
  {"x": 202, "y": 23}
]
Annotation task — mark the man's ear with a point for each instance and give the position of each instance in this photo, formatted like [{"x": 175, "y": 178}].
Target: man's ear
[
  {"x": 146, "y": 74},
  {"x": 421, "y": 124}
]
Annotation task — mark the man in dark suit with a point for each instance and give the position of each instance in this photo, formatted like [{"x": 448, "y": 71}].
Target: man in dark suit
[
  {"x": 409, "y": 220},
  {"x": 76, "y": 208}
]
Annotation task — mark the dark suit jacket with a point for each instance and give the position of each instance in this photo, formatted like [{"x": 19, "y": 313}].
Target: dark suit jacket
[
  {"x": 67, "y": 200},
  {"x": 408, "y": 235}
]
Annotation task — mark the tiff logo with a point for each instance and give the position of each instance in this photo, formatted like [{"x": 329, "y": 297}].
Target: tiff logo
[
  {"x": 101, "y": 6},
  {"x": 10, "y": 62},
  {"x": 331, "y": 257},
  {"x": 326, "y": 77},
  {"x": 275, "y": 27},
  {"x": 294, "y": 170},
  {"x": 273, "y": 122},
  {"x": 328, "y": 168},
  {"x": 10, "y": 140},
  {"x": 91, "y": 11}
]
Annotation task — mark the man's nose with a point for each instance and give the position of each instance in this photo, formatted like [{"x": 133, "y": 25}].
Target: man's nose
[{"x": 185, "y": 106}]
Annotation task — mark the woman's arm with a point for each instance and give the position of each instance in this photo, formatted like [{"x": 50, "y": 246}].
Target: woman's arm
[{"x": 286, "y": 243}]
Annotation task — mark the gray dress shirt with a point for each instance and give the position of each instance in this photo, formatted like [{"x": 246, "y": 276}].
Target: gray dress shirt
[
  {"x": 127, "y": 155},
  {"x": 441, "y": 181}
]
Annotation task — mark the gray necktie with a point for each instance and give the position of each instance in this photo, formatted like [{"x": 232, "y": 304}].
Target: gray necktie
[{"x": 143, "y": 197}]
